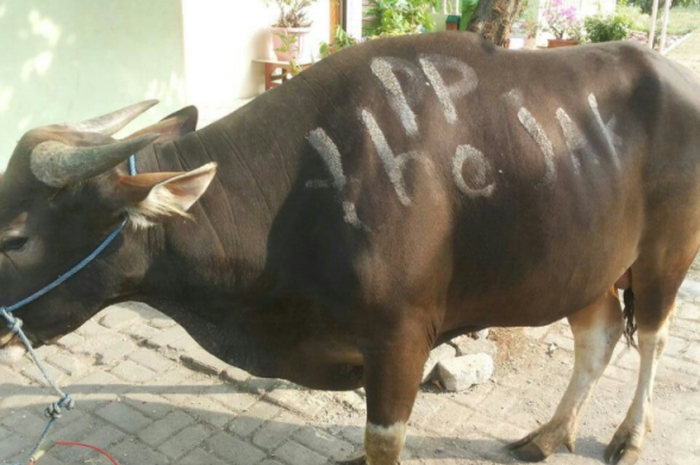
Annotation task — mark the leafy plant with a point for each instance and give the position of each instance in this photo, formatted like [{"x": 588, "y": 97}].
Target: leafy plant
[
  {"x": 607, "y": 28},
  {"x": 293, "y": 13},
  {"x": 397, "y": 17},
  {"x": 289, "y": 45},
  {"x": 562, "y": 21},
  {"x": 340, "y": 41},
  {"x": 646, "y": 5}
]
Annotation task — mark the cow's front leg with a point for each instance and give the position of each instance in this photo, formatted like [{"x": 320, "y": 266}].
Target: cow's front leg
[
  {"x": 596, "y": 330},
  {"x": 393, "y": 372}
]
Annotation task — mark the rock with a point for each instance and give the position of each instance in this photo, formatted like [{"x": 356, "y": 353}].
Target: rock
[
  {"x": 483, "y": 334},
  {"x": 462, "y": 373},
  {"x": 440, "y": 353},
  {"x": 468, "y": 346}
]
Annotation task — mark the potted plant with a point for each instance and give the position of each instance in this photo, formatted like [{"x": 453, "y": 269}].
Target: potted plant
[
  {"x": 291, "y": 27},
  {"x": 563, "y": 23}
]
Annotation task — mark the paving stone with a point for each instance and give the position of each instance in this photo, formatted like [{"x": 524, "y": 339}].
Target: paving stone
[
  {"x": 234, "y": 451},
  {"x": 13, "y": 446},
  {"x": 133, "y": 372},
  {"x": 4, "y": 433},
  {"x": 206, "y": 410},
  {"x": 132, "y": 452},
  {"x": 71, "y": 341},
  {"x": 296, "y": 454},
  {"x": 70, "y": 364},
  {"x": 102, "y": 437},
  {"x": 119, "y": 316},
  {"x": 560, "y": 341},
  {"x": 23, "y": 421},
  {"x": 99, "y": 387},
  {"x": 141, "y": 333},
  {"x": 92, "y": 330},
  {"x": 184, "y": 441},
  {"x": 204, "y": 362},
  {"x": 233, "y": 400},
  {"x": 324, "y": 443},
  {"x": 688, "y": 311},
  {"x": 115, "y": 352},
  {"x": 151, "y": 360},
  {"x": 161, "y": 430},
  {"x": 250, "y": 420},
  {"x": 297, "y": 399},
  {"x": 151, "y": 405},
  {"x": 276, "y": 431},
  {"x": 163, "y": 338},
  {"x": 269, "y": 462},
  {"x": 33, "y": 373},
  {"x": 124, "y": 417},
  {"x": 235, "y": 375},
  {"x": 200, "y": 457}
]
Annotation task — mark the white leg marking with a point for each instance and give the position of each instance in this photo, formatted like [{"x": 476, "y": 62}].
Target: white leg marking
[
  {"x": 393, "y": 165},
  {"x": 385, "y": 69},
  {"x": 449, "y": 94},
  {"x": 383, "y": 444},
  {"x": 479, "y": 168},
  {"x": 537, "y": 133},
  {"x": 330, "y": 154},
  {"x": 610, "y": 138},
  {"x": 575, "y": 140}
]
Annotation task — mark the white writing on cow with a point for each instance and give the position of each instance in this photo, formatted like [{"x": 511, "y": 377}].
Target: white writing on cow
[
  {"x": 479, "y": 168},
  {"x": 393, "y": 164},
  {"x": 449, "y": 94},
  {"x": 325, "y": 146},
  {"x": 575, "y": 140},
  {"x": 610, "y": 138},
  {"x": 385, "y": 69}
]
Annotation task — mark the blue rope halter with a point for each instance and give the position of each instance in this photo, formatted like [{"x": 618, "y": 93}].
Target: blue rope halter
[{"x": 55, "y": 410}]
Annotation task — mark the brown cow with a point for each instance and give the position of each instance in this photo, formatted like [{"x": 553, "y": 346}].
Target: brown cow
[{"x": 394, "y": 195}]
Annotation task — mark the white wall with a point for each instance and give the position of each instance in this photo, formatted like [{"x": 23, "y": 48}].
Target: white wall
[{"x": 222, "y": 38}]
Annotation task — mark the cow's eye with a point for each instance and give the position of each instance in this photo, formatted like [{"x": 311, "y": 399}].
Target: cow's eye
[{"x": 12, "y": 244}]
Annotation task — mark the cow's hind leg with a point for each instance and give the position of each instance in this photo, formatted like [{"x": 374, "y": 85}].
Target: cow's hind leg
[
  {"x": 596, "y": 329},
  {"x": 654, "y": 316}
]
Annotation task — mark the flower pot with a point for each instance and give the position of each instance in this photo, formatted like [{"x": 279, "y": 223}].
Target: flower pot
[
  {"x": 556, "y": 43},
  {"x": 295, "y": 49}
]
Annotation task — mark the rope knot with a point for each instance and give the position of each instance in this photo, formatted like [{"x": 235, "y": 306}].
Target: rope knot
[
  {"x": 55, "y": 410},
  {"x": 15, "y": 324}
]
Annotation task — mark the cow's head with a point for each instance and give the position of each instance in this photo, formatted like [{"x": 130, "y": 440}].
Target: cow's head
[{"x": 66, "y": 189}]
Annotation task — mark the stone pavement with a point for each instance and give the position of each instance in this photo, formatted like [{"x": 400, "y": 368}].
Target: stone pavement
[{"x": 150, "y": 396}]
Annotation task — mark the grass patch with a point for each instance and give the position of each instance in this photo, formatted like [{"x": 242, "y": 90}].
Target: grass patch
[{"x": 680, "y": 22}]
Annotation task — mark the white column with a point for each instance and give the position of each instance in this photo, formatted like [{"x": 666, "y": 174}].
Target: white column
[
  {"x": 652, "y": 26},
  {"x": 664, "y": 27}
]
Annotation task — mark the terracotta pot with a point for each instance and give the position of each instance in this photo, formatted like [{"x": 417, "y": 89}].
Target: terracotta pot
[
  {"x": 556, "y": 43},
  {"x": 296, "y": 49}
]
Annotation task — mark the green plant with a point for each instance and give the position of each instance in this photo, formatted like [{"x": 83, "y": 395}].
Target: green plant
[
  {"x": 289, "y": 44},
  {"x": 397, "y": 17},
  {"x": 292, "y": 13},
  {"x": 340, "y": 41},
  {"x": 607, "y": 28},
  {"x": 646, "y": 5}
]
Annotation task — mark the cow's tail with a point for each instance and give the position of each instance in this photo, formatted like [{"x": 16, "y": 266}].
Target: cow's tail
[{"x": 628, "y": 315}]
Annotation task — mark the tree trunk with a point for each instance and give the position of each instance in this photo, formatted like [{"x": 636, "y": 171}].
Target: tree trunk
[{"x": 492, "y": 19}]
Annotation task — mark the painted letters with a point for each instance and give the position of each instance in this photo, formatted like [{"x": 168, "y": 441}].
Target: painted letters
[
  {"x": 386, "y": 69},
  {"x": 325, "y": 146},
  {"x": 479, "y": 169},
  {"x": 449, "y": 94}
]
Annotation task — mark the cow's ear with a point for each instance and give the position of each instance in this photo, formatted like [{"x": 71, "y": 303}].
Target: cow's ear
[
  {"x": 148, "y": 198},
  {"x": 172, "y": 126}
]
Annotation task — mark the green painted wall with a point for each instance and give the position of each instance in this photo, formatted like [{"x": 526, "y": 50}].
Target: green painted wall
[{"x": 69, "y": 60}]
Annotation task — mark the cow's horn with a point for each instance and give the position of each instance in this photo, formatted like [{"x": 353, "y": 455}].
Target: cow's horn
[
  {"x": 58, "y": 165},
  {"x": 110, "y": 123}
]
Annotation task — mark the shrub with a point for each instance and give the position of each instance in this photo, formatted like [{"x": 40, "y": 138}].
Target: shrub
[
  {"x": 646, "y": 5},
  {"x": 607, "y": 28},
  {"x": 397, "y": 17}
]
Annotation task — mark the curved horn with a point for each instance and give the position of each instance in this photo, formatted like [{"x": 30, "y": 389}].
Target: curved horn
[
  {"x": 58, "y": 165},
  {"x": 110, "y": 123}
]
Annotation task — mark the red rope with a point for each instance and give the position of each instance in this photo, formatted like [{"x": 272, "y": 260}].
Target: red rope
[{"x": 80, "y": 444}]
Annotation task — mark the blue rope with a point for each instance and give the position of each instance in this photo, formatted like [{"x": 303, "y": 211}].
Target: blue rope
[{"x": 55, "y": 410}]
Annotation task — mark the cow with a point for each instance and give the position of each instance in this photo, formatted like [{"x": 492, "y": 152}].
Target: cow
[{"x": 395, "y": 195}]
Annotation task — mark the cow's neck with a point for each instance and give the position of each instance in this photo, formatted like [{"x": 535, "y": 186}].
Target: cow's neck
[{"x": 218, "y": 264}]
